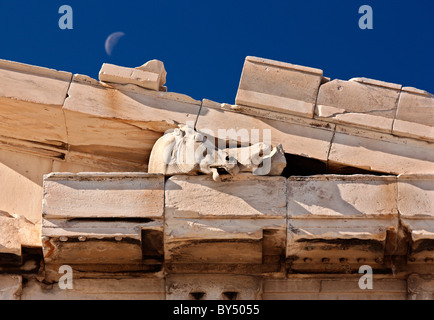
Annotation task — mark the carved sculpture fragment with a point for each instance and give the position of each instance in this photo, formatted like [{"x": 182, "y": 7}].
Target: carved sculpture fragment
[{"x": 186, "y": 151}]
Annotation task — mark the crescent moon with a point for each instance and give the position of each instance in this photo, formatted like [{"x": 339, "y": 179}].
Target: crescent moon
[{"x": 111, "y": 41}]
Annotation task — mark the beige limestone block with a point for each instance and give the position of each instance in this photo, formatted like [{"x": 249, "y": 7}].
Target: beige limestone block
[
  {"x": 31, "y": 100},
  {"x": 421, "y": 241},
  {"x": 363, "y": 295},
  {"x": 21, "y": 183},
  {"x": 103, "y": 195},
  {"x": 416, "y": 207},
  {"x": 359, "y": 102},
  {"x": 420, "y": 287},
  {"x": 236, "y": 221},
  {"x": 307, "y": 140},
  {"x": 106, "y": 163},
  {"x": 244, "y": 196},
  {"x": 123, "y": 123},
  {"x": 93, "y": 219},
  {"x": 98, "y": 289},
  {"x": 218, "y": 241},
  {"x": 335, "y": 196},
  {"x": 197, "y": 229},
  {"x": 415, "y": 114},
  {"x": 283, "y": 87},
  {"x": 282, "y": 286},
  {"x": 33, "y": 84},
  {"x": 155, "y": 66},
  {"x": 339, "y": 198},
  {"x": 212, "y": 287},
  {"x": 320, "y": 245},
  {"x": 123, "y": 75},
  {"x": 10, "y": 243},
  {"x": 329, "y": 228},
  {"x": 421, "y": 228},
  {"x": 269, "y": 114},
  {"x": 38, "y": 130},
  {"x": 96, "y": 229},
  {"x": 55, "y": 152},
  {"x": 214, "y": 251},
  {"x": 10, "y": 287},
  {"x": 125, "y": 102},
  {"x": 413, "y": 130},
  {"x": 339, "y": 218},
  {"x": 348, "y": 289},
  {"x": 333, "y": 288},
  {"x": 280, "y": 296},
  {"x": 416, "y": 196},
  {"x": 15, "y": 233},
  {"x": 65, "y": 166},
  {"x": 422, "y": 238},
  {"x": 351, "y": 284},
  {"x": 110, "y": 139},
  {"x": 101, "y": 242},
  {"x": 29, "y": 233},
  {"x": 105, "y": 250},
  {"x": 380, "y": 152}
]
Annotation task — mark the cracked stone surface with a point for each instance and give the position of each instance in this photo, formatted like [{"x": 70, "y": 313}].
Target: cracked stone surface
[{"x": 360, "y": 102}]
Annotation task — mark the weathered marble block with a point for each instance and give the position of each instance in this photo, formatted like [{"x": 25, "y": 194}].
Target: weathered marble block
[
  {"x": 103, "y": 218},
  {"x": 31, "y": 99},
  {"x": 236, "y": 221},
  {"x": 420, "y": 287},
  {"x": 415, "y": 114},
  {"x": 339, "y": 220},
  {"x": 99, "y": 289},
  {"x": 416, "y": 207},
  {"x": 123, "y": 75},
  {"x": 15, "y": 234},
  {"x": 359, "y": 102},
  {"x": 299, "y": 136},
  {"x": 212, "y": 287},
  {"x": 279, "y": 86},
  {"x": 118, "y": 124},
  {"x": 10, "y": 287},
  {"x": 320, "y": 287},
  {"x": 375, "y": 151}
]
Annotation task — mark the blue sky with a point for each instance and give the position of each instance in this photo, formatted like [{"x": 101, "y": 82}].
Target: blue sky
[{"x": 203, "y": 44}]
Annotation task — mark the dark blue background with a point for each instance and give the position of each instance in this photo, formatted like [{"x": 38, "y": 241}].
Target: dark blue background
[{"x": 203, "y": 43}]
